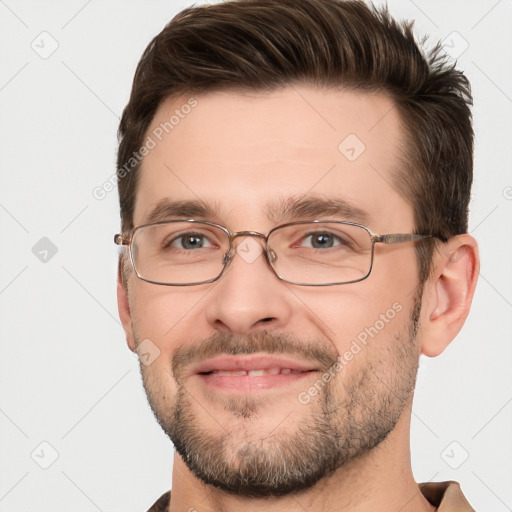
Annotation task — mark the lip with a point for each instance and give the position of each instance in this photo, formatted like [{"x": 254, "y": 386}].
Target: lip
[
  {"x": 208, "y": 370},
  {"x": 250, "y": 363}
]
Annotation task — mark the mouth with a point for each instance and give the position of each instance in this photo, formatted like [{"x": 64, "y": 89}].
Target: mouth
[
  {"x": 253, "y": 373},
  {"x": 245, "y": 374}
]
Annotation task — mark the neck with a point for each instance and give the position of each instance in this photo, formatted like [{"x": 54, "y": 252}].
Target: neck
[{"x": 381, "y": 480}]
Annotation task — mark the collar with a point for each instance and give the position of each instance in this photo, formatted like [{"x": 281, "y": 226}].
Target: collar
[{"x": 447, "y": 496}]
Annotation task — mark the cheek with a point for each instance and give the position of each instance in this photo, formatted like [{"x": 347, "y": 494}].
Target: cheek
[
  {"x": 165, "y": 315},
  {"x": 348, "y": 312},
  {"x": 159, "y": 384},
  {"x": 396, "y": 269}
]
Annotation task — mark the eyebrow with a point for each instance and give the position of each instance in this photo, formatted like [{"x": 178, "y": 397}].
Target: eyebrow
[
  {"x": 314, "y": 207},
  {"x": 167, "y": 209},
  {"x": 280, "y": 210}
]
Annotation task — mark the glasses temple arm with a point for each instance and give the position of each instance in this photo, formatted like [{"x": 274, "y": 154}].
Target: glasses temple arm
[{"x": 397, "y": 238}]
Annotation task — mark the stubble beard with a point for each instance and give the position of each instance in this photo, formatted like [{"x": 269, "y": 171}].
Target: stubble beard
[{"x": 340, "y": 427}]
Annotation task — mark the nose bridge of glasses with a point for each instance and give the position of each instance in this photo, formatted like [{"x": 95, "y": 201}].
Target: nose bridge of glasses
[
  {"x": 242, "y": 235},
  {"x": 238, "y": 234}
]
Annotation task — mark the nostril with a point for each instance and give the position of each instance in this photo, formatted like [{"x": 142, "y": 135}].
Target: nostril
[{"x": 266, "y": 320}]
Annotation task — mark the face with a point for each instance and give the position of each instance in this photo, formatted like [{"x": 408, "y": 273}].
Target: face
[{"x": 266, "y": 387}]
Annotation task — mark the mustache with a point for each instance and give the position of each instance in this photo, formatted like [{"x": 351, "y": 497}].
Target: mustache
[{"x": 264, "y": 341}]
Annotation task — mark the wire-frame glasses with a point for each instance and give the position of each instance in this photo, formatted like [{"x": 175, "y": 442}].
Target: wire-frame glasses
[{"x": 307, "y": 253}]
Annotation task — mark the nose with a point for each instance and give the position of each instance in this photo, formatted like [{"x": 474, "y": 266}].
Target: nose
[{"x": 249, "y": 297}]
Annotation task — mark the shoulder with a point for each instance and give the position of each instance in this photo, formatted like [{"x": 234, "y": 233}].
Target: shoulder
[
  {"x": 447, "y": 496},
  {"x": 161, "y": 504}
]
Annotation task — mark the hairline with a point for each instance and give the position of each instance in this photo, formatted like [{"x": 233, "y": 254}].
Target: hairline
[{"x": 405, "y": 160}]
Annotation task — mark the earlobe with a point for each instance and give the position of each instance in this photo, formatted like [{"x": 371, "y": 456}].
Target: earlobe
[
  {"x": 449, "y": 293},
  {"x": 123, "y": 305}
]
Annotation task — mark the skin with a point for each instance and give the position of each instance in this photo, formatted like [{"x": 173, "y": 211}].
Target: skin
[{"x": 237, "y": 153}]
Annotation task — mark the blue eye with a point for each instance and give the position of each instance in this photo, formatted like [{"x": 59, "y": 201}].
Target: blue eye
[
  {"x": 321, "y": 240},
  {"x": 190, "y": 241}
]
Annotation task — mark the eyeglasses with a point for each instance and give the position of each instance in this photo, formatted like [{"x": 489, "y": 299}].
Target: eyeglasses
[{"x": 306, "y": 253}]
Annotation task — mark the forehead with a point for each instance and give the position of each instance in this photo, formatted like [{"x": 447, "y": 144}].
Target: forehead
[{"x": 243, "y": 154}]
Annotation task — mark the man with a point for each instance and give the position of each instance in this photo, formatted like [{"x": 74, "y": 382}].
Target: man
[{"x": 294, "y": 180}]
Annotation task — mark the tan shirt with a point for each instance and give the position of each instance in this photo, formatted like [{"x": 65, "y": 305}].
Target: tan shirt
[{"x": 446, "y": 496}]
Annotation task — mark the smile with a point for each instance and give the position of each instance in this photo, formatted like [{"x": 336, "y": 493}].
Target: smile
[
  {"x": 255, "y": 373},
  {"x": 251, "y": 373}
]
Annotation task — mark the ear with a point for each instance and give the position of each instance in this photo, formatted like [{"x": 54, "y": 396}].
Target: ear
[
  {"x": 449, "y": 292},
  {"x": 123, "y": 305}
]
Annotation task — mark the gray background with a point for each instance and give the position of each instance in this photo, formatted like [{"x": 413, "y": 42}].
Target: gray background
[{"x": 67, "y": 379}]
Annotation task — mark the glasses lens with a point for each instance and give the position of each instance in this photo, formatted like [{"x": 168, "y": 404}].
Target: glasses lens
[
  {"x": 179, "y": 252},
  {"x": 321, "y": 253}
]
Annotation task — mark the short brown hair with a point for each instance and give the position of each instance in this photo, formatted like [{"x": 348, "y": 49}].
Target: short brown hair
[{"x": 242, "y": 45}]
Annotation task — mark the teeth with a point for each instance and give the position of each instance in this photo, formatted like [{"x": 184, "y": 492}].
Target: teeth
[
  {"x": 227, "y": 372},
  {"x": 255, "y": 373}
]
